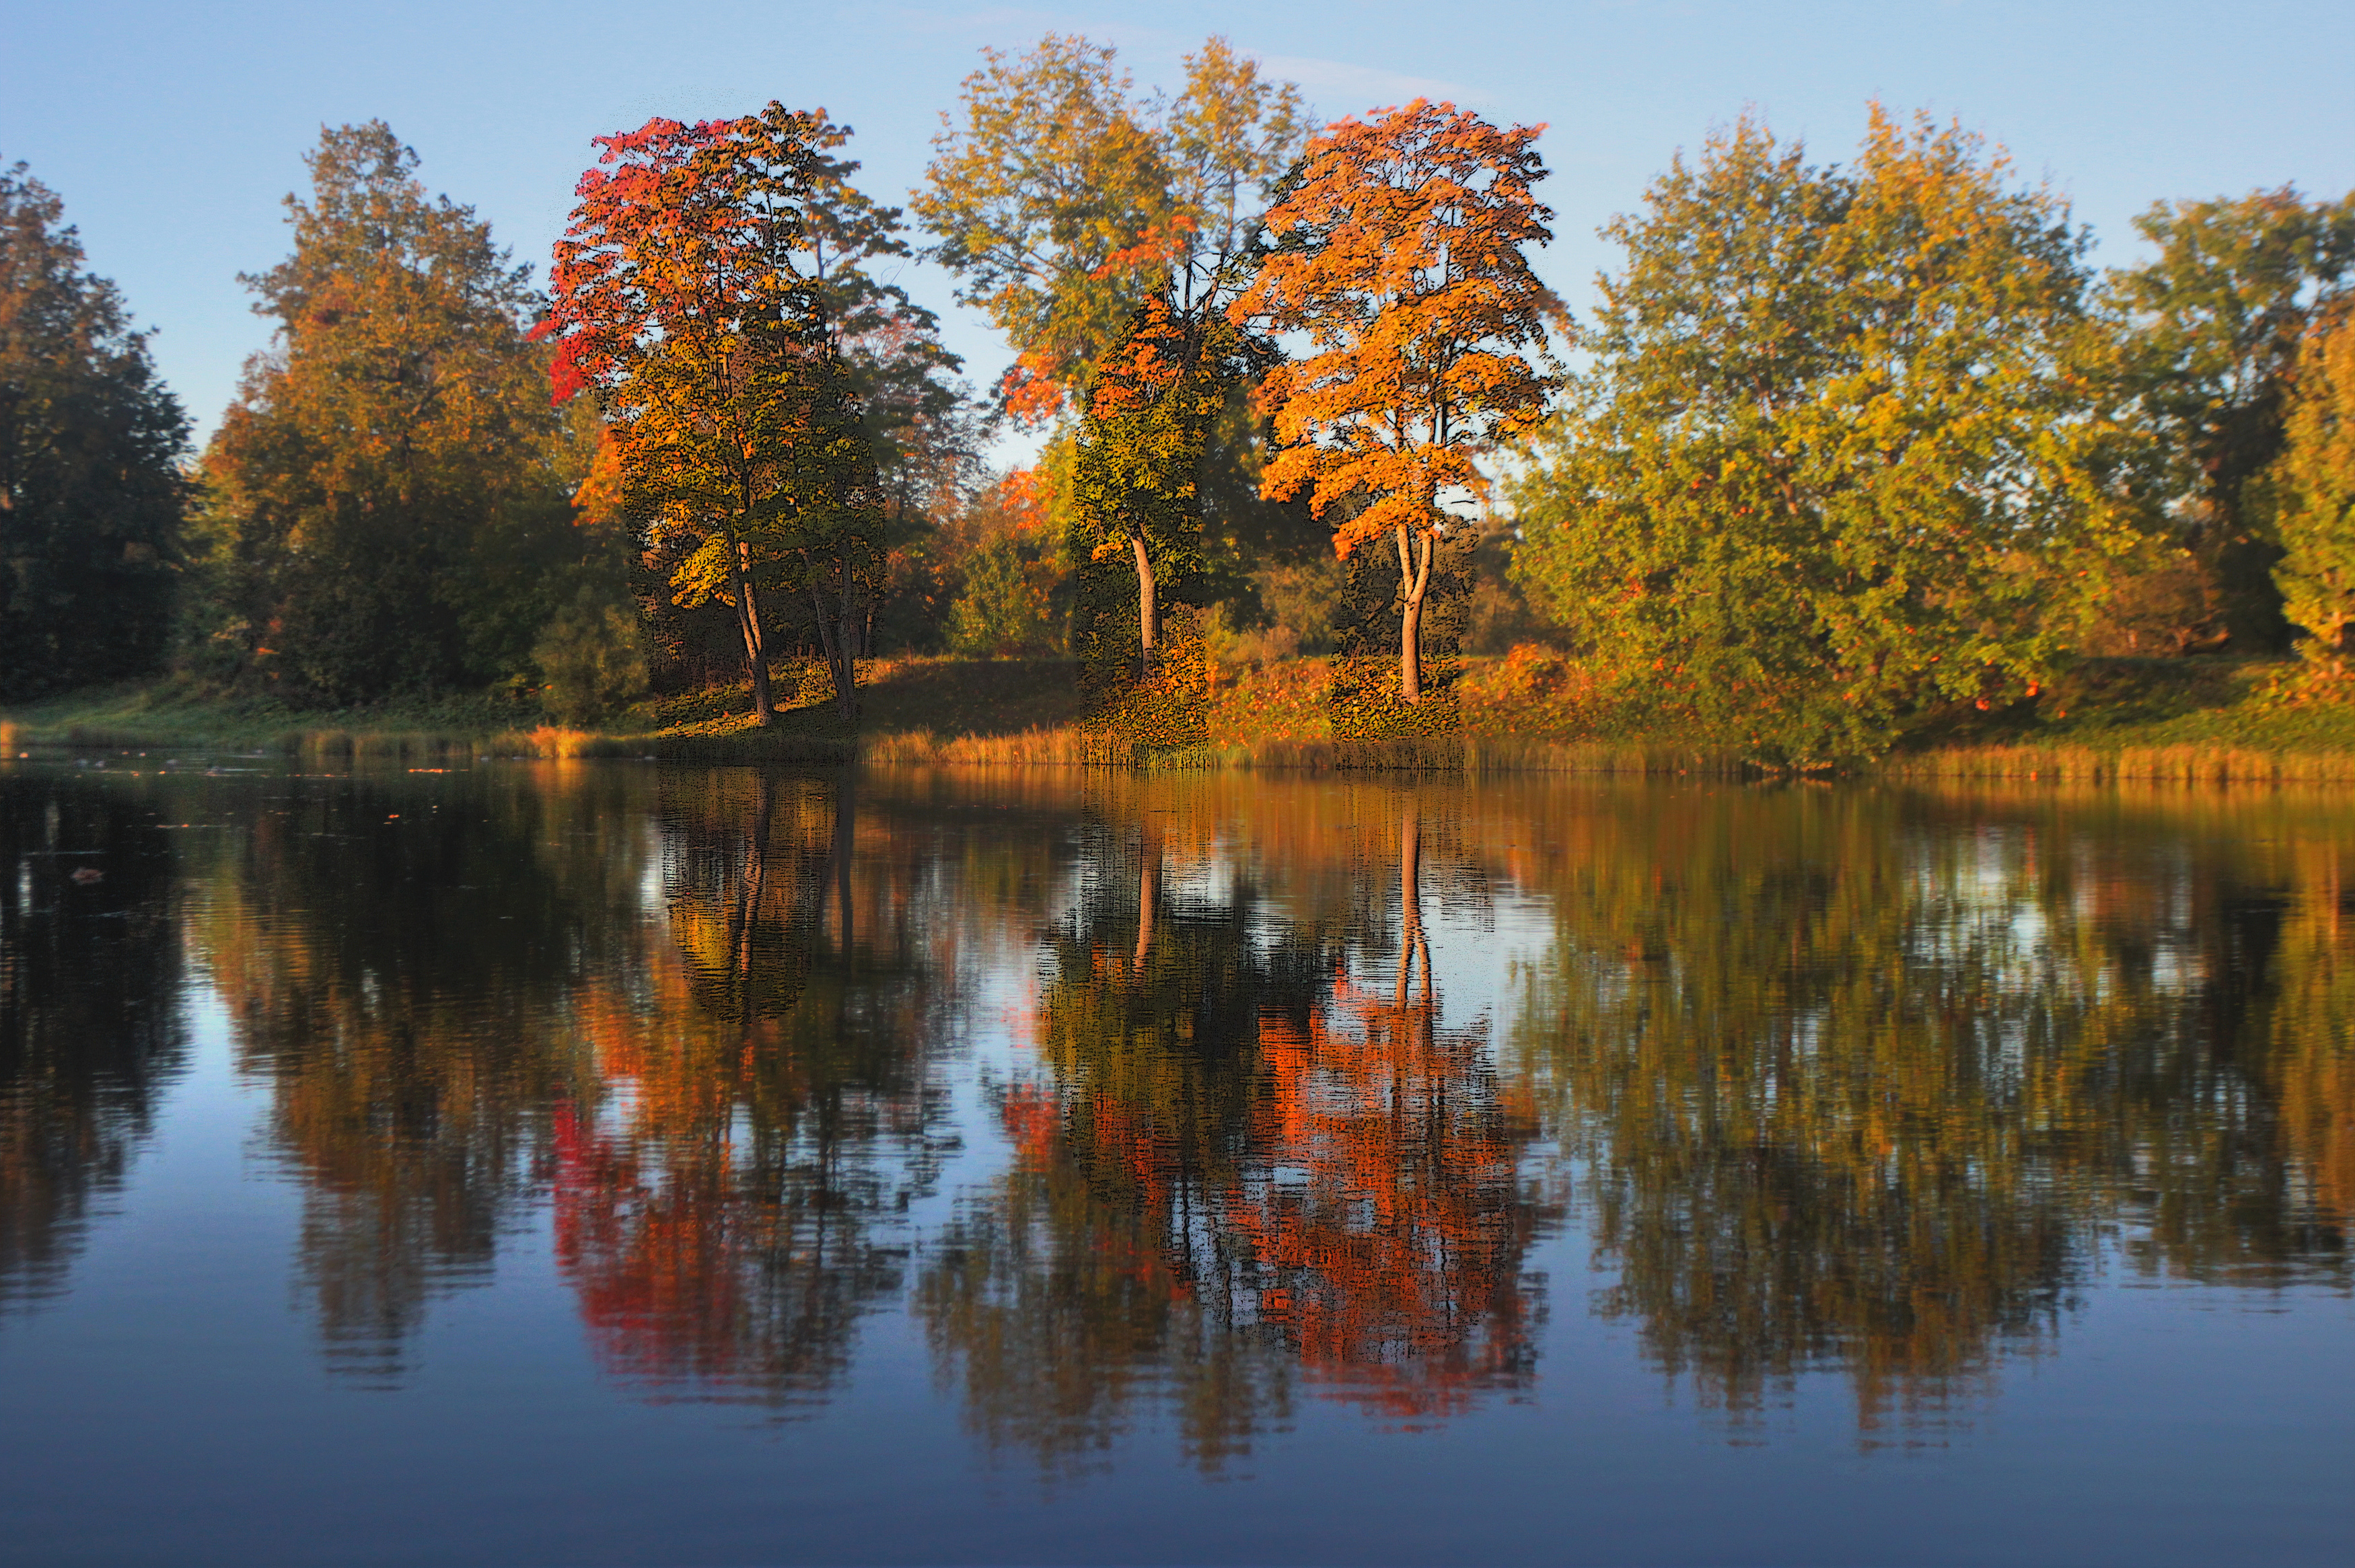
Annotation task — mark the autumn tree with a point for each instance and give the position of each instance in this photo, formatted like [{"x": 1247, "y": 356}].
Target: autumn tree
[
  {"x": 2315, "y": 479},
  {"x": 388, "y": 495},
  {"x": 692, "y": 294},
  {"x": 1063, "y": 200},
  {"x": 1136, "y": 483},
  {"x": 2209, "y": 346},
  {"x": 1399, "y": 253},
  {"x": 91, "y": 499},
  {"x": 1835, "y": 464}
]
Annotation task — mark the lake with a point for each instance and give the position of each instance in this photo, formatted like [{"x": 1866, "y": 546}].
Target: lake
[{"x": 617, "y": 1162}]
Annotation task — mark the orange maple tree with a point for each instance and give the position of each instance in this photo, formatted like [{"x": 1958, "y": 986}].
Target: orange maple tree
[{"x": 1399, "y": 254}]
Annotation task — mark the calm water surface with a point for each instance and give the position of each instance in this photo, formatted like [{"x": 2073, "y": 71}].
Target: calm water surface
[{"x": 614, "y": 1163}]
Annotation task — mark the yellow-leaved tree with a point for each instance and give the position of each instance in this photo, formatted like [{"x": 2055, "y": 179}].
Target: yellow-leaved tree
[{"x": 2316, "y": 479}]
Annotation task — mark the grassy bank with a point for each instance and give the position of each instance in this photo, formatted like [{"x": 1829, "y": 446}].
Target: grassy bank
[{"x": 2183, "y": 720}]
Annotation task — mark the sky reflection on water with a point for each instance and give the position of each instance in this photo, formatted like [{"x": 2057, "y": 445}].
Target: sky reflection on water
[{"x": 601, "y": 1163}]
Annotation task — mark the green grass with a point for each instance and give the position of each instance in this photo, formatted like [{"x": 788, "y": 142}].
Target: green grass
[{"x": 2150, "y": 718}]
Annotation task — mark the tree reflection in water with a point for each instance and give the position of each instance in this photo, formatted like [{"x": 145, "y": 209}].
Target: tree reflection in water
[
  {"x": 717, "y": 1087},
  {"x": 90, "y": 1014},
  {"x": 718, "y": 1213},
  {"x": 1239, "y": 1163},
  {"x": 1863, "y": 1081}
]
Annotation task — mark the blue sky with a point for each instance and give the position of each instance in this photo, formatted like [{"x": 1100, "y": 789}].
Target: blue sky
[{"x": 172, "y": 130}]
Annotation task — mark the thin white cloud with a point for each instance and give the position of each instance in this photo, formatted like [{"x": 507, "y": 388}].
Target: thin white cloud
[{"x": 1338, "y": 88}]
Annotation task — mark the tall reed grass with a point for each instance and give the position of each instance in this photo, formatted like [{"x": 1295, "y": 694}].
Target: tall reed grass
[
  {"x": 2153, "y": 763},
  {"x": 1073, "y": 747},
  {"x": 331, "y": 747}
]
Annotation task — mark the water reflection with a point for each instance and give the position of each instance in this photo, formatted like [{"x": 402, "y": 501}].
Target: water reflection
[
  {"x": 1864, "y": 1082},
  {"x": 89, "y": 1031},
  {"x": 1194, "y": 1102},
  {"x": 762, "y": 1107}
]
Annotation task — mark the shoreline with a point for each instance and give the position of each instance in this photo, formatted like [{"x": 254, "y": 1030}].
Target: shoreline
[{"x": 1521, "y": 715}]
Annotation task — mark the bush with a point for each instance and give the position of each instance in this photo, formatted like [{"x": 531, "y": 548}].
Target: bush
[{"x": 588, "y": 656}]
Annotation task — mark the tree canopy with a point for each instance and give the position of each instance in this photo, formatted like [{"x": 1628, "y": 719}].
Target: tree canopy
[
  {"x": 92, "y": 498},
  {"x": 1399, "y": 252},
  {"x": 387, "y": 492},
  {"x": 2316, "y": 483},
  {"x": 693, "y": 294},
  {"x": 1063, "y": 200},
  {"x": 2209, "y": 346},
  {"x": 1835, "y": 463}
]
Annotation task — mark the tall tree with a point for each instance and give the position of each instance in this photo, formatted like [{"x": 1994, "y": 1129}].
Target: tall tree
[
  {"x": 1399, "y": 251},
  {"x": 1836, "y": 462},
  {"x": 1136, "y": 481},
  {"x": 2213, "y": 327},
  {"x": 2316, "y": 483},
  {"x": 692, "y": 295},
  {"x": 1052, "y": 204},
  {"x": 1064, "y": 200},
  {"x": 92, "y": 500},
  {"x": 390, "y": 478}
]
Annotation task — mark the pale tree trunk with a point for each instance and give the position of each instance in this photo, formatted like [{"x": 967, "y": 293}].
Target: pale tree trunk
[
  {"x": 1414, "y": 581},
  {"x": 1413, "y": 944},
  {"x": 747, "y": 622},
  {"x": 1148, "y": 893},
  {"x": 1149, "y": 609}
]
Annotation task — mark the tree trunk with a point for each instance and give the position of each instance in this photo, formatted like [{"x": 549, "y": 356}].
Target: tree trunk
[
  {"x": 1149, "y": 611},
  {"x": 829, "y": 636},
  {"x": 846, "y": 633},
  {"x": 1410, "y": 938},
  {"x": 846, "y": 847},
  {"x": 1414, "y": 581},
  {"x": 838, "y": 635},
  {"x": 1148, "y": 893},
  {"x": 747, "y": 622}
]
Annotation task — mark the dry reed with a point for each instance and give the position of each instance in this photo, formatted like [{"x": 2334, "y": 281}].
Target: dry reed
[{"x": 2152, "y": 764}]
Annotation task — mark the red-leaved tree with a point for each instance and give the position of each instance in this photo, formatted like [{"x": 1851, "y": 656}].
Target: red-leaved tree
[{"x": 689, "y": 295}]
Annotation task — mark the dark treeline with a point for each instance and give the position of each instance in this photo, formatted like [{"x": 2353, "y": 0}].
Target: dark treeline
[{"x": 1848, "y": 448}]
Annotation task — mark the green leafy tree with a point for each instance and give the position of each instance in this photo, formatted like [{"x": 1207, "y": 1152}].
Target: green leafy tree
[
  {"x": 1002, "y": 611},
  {"x": 91, "y": 499},
  {"x": 1833, "y": 466},
  {"x": 1135, "y": 488},
  {"x": 388, "y": 494},
  {"x": 2211, "y": 347},
  {"x": 2315, "y": 481},
  {"x": 1064, "y": 201}
]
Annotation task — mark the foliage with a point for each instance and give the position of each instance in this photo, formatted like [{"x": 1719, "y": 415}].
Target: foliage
[
  {"x": 588, "y": 656},
  {"x": 1062, "y": 202},
  {"x": 1398, "y": 252},
  {"x": 1134, "y": 489},
  {"x": 1835, "y": 463},
  {"x": 92, "y": 500},
  {"x": 2208, "y": 346},
  {"x": 389, "y": 489},
  {"x": 2317, "y": 481},
  {"x": 693, "y": 295},
  {"x": 1003, "y": 611}
]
